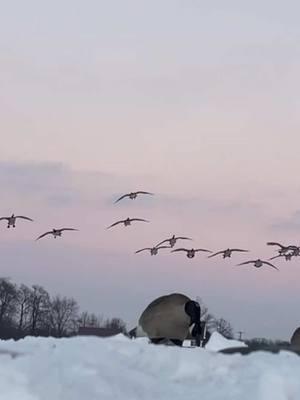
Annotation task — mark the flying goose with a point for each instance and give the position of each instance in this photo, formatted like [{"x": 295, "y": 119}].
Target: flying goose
[
  {"x": 282, "y": 249},
  {"x": 127, "y": 222},
  {"x": 190, "y": 253},
  {"x": 172, "y": 240},
  {"x": 226, "y": 253},
  {"x": 153, "y": 250},
  {"x": 56, "y": 232},
  {"x": 13, "y": 218},
  {"x": 132, "y": 195},
  {"x": 258, "y": 263}
]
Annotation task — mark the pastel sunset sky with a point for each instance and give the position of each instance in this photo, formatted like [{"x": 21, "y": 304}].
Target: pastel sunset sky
[{"x": 195, "y": 101}]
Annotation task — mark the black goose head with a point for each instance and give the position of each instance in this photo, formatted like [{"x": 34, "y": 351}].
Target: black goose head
[{"x": 192, "y": 308}]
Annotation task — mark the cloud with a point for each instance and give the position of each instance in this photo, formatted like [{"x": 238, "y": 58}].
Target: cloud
[
  {"x": 46, "y": 181},
  {"x": 54, "y": 184},
  {"x": 291, "y": 223}
]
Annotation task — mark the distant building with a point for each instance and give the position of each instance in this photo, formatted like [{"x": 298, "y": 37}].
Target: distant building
[{"x": 100, "y": 332}]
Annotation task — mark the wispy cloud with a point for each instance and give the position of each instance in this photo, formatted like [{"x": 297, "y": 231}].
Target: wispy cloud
[
  {"x": 38, "y": 180},
  {"x": 291, "y": 223}
]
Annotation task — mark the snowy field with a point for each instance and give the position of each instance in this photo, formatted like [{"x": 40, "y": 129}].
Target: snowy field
[{"x": 89, "y": 368}]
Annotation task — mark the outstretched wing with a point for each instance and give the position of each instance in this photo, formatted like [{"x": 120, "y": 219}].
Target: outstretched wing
[
  {"x": 183, "y": 238},
  {"x": 206, "y": 251},
  {"x": 67, "y": 229},
  {"x": 3, "y": 218},
  {"x": 139, "y": 251},
  {"x": 216, "y": 254},
  {"x": 241, "y": 250},
  {"x": 162, "y": 242},
  {"x": 23, "y": 217},
  {"x": 139, "y": 219},
  {"x": 142, "y": 192},
  {"x": 180, "y": 249},
  {"x": 271, "y": 265},
  {"x": 122, "y": 197},
  {"x": 247, "y": 262},
  {"x": 272, "y": 258},
  {"x": 163, "y": 247},
  {"x": 275, "y": 244},
  {"x": 44, "y": 234},
  {"x": 115, "y": 223}
]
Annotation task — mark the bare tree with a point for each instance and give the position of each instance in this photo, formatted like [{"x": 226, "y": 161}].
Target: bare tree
[
  {"x": 63, "y": 312},
  {"x": 115, "y": 323},
  {"x": 23, "y": 308},
  {"x": 39, "y": 304},
  {"x": 90, "y": 319},
  {"x": 224, "y": 327},
  {"x": 84, "y": 319},
  {"x": 8, "y": 299}
]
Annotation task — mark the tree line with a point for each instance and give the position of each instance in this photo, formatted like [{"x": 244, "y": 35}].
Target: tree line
[{"x": 32, "y": 311}]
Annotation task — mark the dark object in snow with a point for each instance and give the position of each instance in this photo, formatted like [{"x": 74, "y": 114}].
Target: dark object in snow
[
  {"x": 170, "y": 318},
  {"x": 295, "y": 339},
  {"x": 13, "y": 354},
  {"x": 248, "y": 350}
]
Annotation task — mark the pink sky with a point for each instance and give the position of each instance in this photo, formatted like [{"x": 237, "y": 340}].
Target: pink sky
[{"x": 197, "y": 103}]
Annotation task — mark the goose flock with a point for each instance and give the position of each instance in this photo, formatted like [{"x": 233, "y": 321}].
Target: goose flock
[{"x": 285, "y": 252}]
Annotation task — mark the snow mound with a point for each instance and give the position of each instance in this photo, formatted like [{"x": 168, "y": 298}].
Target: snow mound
[
  {"x": 218, "y": 342},
  {"x": 122, "y": 369}
]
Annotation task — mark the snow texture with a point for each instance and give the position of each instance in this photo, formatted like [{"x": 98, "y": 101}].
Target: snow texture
[
  {"x": 218, "y": 342},
  {"x": 90, "y": 368}
]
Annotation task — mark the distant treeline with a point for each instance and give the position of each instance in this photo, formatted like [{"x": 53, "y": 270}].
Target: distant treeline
[
  {"x": 32, "y": 311},
  {"x": 262, "y": 343}
]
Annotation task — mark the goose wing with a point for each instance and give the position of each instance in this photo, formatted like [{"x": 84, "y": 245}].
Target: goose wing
[
  {"x": 206, "y": 251},
  {"x": 163, "y": 247},
  {"x": 241, "y": 250},
  {"x": 162, "y": 242},
  {"x": 4, "y": 218},
  {"x": 180, "y": 249},
  {"x": 115, "y": 223},
  {"x": 122, "y": 197},
  {"x": 271, "y": 265},
  {"x": 275, "y": 244},
  {"x": 216, "y": 254},
  {"x": 23, "y": 217},
  {"x": 67, "y": 229},
  {"x": 183, "y": 238},
  {"x": 139, "y": 219},
  {"x": 139, "y": 251},
  {"x": 247, "y": 262},
  {"x": 143, "y": 192},
  {"x": 44, "y": 234},
  {"x": 272, "y": 258}
]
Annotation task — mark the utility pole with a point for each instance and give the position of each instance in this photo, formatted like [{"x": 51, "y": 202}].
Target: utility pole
[{"x": 241, "y": 335}]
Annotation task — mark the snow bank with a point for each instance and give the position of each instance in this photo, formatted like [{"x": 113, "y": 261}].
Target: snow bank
[
  {"x": 89, "y": 368},
  {"x": 218, "y": 342}
]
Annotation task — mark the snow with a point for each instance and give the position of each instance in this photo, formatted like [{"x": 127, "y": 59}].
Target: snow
[
  {"x": 119, "y": 368},
  {"x": 218, "y": 342}
]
